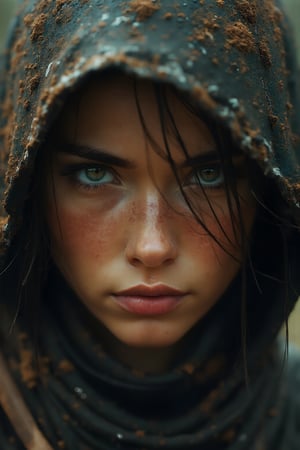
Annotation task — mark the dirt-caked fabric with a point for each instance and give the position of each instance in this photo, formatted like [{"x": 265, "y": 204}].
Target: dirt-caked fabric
[{"x": 235, "y": 60}]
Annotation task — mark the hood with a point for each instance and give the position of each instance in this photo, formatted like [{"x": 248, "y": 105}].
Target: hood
[
  {"x": 235, "y": 58},
  {"x": 232, "y": 56}
]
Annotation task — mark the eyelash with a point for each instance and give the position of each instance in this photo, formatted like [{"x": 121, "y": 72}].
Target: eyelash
[{"x": 73, "y": 171}]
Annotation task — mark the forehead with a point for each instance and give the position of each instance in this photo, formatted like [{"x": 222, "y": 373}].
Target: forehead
[{"x": 114, "y": 107}]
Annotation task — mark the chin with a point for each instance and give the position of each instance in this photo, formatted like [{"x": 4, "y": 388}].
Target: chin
[
  {"x": 148, "y": 337},
  {"x": 153, "y": 343}
]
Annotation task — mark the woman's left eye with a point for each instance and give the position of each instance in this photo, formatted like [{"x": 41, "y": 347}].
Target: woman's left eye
[{"x": 208, "y": 177}]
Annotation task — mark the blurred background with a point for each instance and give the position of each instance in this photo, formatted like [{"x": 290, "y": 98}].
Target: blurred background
[
  {"x": 292, "y": 7},
  {"x": 6, "y": 10}
]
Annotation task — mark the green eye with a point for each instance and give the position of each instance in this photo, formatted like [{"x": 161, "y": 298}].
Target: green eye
[
  {"x": 208, "y": 177},
  {"x": 94, "y": 176}
]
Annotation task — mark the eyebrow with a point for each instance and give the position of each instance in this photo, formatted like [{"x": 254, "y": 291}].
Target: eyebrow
[
  {"x": 102, "y": 156},
  {"x": 202, "y": 158},
  {"x": 95, "y": 154},
  {"x": 209, "y": 157}
]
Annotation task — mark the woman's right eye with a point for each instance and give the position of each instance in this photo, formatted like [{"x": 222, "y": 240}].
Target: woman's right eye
[
  {"x": 94, "y": 176},
  {"x": 90, "y": 176}
]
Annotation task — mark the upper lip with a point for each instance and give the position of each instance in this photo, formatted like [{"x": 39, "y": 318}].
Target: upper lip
[{"x": 143, "y": 290}]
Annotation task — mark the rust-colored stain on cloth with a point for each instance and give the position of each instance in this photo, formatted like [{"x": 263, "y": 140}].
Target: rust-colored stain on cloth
[
  {"x": 228, "y": 436},
  {"x": 265, "y": 53},
  {"x": 204, "y": 26},
  {"x": 65, "y": 15},
  {"x": 168, "y": 16},
  {"x": 140, "y": 433},
  {"x": 240, "y": 37},
  {"x": 59, "y": 4},
  {"x": 248, "y": 10},
  {"x": 42, "y": 5},
  {"x": 34, "y": 82},
  {"x": 65, "y": 366},
  {"x": 143, "y": 8},
  {"x": 31, "y": 369},
  {"x": 37, "y": 25},
  {"x": 27, "y": 371}
]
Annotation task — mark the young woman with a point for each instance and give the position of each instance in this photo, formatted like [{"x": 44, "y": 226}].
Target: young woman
[{"x": 149, "y": 231}]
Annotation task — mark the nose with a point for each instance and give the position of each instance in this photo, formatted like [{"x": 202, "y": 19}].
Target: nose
[{"x": 152, "y": 242}]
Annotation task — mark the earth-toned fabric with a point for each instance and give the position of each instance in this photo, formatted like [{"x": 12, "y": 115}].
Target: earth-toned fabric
[{"x": 235, "y": 59}]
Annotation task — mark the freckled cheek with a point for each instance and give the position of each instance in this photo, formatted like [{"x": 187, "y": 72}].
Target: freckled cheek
[
  {"x": 202, "y": 244},
  {"x": 85, "y": 232}
]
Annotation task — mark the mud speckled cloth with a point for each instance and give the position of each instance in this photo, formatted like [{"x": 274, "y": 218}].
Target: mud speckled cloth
[{"x": 234, "y": 58}]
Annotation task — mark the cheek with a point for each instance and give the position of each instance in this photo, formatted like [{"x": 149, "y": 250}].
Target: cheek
[
  {"x": 83, "y": 233},
  {"x": 220, "y": 231},
  {"x": 221, "y": 248}
]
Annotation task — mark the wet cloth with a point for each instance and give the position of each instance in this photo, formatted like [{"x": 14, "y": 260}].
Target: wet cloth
[{"x": 234, "y": 59}]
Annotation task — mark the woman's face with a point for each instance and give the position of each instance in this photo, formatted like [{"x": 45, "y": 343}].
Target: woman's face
[{"x": 121, "y": 232}]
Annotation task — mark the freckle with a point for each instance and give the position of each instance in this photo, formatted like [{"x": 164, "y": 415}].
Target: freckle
[{"x": 132, "y": 212}]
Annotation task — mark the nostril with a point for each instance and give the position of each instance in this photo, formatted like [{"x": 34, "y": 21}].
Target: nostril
[
  {"x": 151, "y": 250},
  {"x": 151, "y": 262}
]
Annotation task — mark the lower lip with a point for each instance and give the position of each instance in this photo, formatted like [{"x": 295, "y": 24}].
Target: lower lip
[{"x": 148, "y": 306}]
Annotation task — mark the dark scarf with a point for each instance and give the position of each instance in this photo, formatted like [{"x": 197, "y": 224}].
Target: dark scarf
[{"x": 83, "y": 399}]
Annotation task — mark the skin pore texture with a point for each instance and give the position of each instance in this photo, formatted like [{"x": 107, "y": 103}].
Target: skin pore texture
[{"x": 116, "y": 225}]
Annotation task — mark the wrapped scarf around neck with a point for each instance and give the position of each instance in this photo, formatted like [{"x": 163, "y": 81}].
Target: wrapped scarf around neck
[{"x": 83, "y": 399}]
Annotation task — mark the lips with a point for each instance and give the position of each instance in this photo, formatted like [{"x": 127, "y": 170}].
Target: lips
[{"x": 149, "y": 300}]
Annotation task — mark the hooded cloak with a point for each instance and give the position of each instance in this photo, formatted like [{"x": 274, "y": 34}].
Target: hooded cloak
[{"x": 235, "y": 59}]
